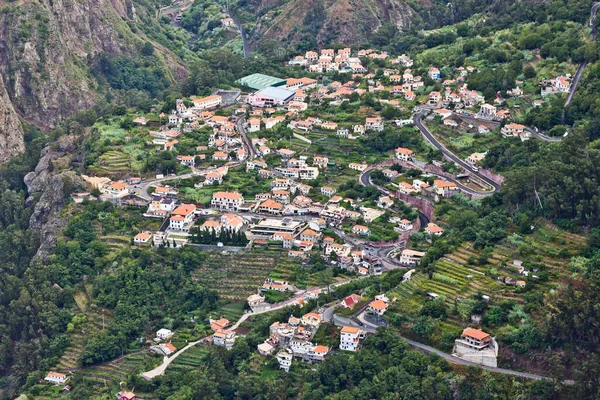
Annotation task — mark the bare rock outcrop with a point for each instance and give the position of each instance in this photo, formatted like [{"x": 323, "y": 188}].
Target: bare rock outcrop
[
  {"x": 11, "y": 130},
  {"x": 49, "y": 188}
]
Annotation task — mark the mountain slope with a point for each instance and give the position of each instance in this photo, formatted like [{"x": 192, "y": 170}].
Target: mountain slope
[
  {"x": 11, "y": 131},
  {"x": 46, "y": 50},
  {"x": 330, "y": 21}
]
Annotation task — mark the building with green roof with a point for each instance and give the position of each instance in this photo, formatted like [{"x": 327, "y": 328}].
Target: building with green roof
[{"x": 260, "y": 81}]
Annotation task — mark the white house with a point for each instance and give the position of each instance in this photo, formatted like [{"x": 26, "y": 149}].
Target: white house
[
  {"x": 182, "y": 217},
  {"x": 411, "y": 257},
  {"x": 224, "y": 338},
  {"x": 142, "y": 237},
  {"x": 56, "y": 377},
  {"x": 164, "y": 334},
  {"x": 230, "y": 201},
  {"x": 404, "y": 154},
  {"x": 284, "y": 358},
  {"x": 374, "y": 124},
  {"x": 350, "y": 338},
  {"x": 434, "y": 229},
  {"x": 253, "y": 125},
  {"x": 378, "y": 307},
  {"x": 207, "y": 102},
  {"x": 405, "y": 225}
]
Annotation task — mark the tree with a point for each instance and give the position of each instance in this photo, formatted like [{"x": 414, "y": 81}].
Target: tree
[
  {"x": 529, "y": 72},
  {"x": 325, "y": 278},
  {"x": 147, "y": 49}
]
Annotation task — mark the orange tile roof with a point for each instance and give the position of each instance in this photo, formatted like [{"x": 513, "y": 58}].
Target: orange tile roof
[
  {"x": 442, "y": 184},
  {"x": 270, "y": 203},
  {"x": 143, "y": 235},
  {"x": 378, "y": 305},
  {"x": 170, "y": 346},
  {"x": 403, "y": 150},
  {"x": 56, "y": 375},
  {"x": 184, "y": 209},
  {"x": 475, "y": 333},
  {"x": 227, "y": 195},
  {"x": 118, "y": 185},
  {"x": 433, "y": 228},
  {"x": 321, "y": 349},
  {"x": 312, "y": 315},
  {"x": 350, "y": 329}
]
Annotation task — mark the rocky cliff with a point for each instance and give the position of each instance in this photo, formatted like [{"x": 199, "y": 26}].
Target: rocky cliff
[
  {"x": 49, "y": 187},
  {"x": 11, "y": 131},
  {"x": 45, "y": 52},
  {"x": 329, "y": 21}
]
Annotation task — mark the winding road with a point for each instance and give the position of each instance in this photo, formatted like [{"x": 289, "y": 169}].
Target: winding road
[
  {"x": 160, "y": 370},
  {"x": 241, "y": 128},
  {"x": 141, "y": 189},
  {"x": 448, "y": 154},
  {"x": 242, "y": 32},
  {"x": 584, "y": 63}
]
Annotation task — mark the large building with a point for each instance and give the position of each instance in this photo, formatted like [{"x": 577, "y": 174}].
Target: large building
[
  {"x": 260, "y": 81},
  {"x": 270, "y": 226},
  {"x": 182, "y": 217},
  {"x": 350, "y": 338},
  {"x": 230, "y": 201},
  {"x": 271, "y": 96},
  {"x": 207, "y": 102}
]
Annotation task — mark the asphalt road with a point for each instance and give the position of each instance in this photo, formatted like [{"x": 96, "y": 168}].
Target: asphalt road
[
  {"x": 243, "y": 134},
  {"x": 431, "y": 139},
  {"x": 141, "y": 189},
  {"x": 370, "y": 328},
  {"x": 242, "y": 32},
  {"x": 585, "y": 62}
]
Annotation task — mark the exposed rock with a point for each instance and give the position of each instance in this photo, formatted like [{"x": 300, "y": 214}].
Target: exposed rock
[
  {"x": 52, "y": 186},
  {"x": 342, "y": 21},
  {"x": 45, "y": 51},
  {"x": 11, "y": 131}
]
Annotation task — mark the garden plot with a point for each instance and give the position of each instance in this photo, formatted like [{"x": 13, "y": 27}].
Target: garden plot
[
  {"x": 236, "y": 276},
  {"x": 192, "y": 358}
]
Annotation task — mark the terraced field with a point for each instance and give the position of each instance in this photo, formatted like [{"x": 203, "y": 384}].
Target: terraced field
[
  {"x": 231, "y": 311},
  {"x": 192, "y": 358},
  {"x": 115, "y": 243},
  {"x": 79, "y": 336},
  {"x": 112, "y": 163},
  {"x": 460, "y": 274},
  {"x": 118, "y": 370},
  {"x": 236, "y": 276}
]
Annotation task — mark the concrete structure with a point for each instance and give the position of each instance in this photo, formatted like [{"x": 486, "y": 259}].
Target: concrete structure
[
  {"x": 260, "y": 81},
  {"x": 271, "y": 96},
  {"x": 164, "y": 334},
  {"x": 411, "y": 257},
  {"x": 284, "y": 358},
  {"x": 207, "y": 102},
  {"x": 476, "y": 346},
  {"x": 350, "y": 338}
]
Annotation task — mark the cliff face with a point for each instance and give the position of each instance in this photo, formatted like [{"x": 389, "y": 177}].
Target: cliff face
[
  {"x": 11, "y": 131},
  {"x": 51, "y": 183},
  {"x": 45, "y": 48},
  {"x": 331, "y": 21}
]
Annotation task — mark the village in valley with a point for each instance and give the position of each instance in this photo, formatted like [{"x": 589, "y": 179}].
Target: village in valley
[{"x": 265, "y": 167}]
